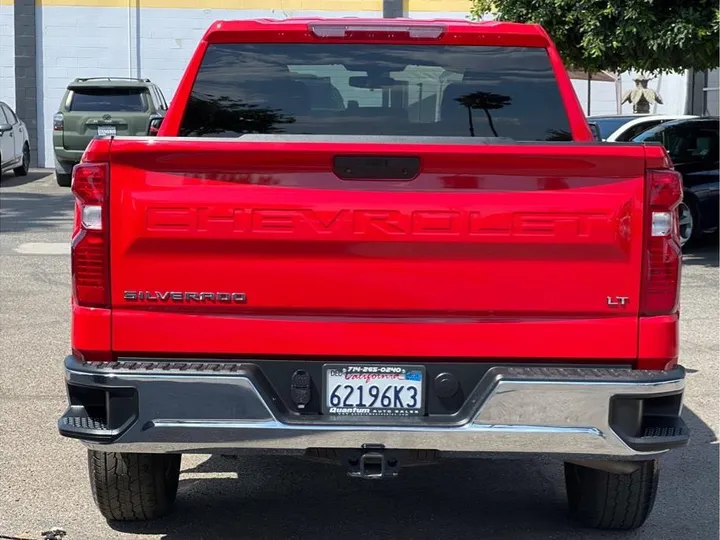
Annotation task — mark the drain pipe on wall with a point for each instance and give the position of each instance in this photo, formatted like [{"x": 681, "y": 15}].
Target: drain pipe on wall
[
  {"x": 589, "y": 93},
  {"x": 129, "y": 37}
]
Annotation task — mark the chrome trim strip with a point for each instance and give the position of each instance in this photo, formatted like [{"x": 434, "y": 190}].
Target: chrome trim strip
[{"x": 196, "y": 436}]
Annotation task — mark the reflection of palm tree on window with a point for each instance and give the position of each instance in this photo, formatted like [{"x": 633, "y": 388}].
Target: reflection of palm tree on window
[{"x": 487, "y": 101}]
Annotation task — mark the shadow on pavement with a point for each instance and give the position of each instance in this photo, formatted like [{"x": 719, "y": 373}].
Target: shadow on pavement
[
  {"x": 10, "y": 180},
  {"x": 284, "y": 497},
  {"x": 704, "y": 253},
  {"x": 27, "y": 211}
]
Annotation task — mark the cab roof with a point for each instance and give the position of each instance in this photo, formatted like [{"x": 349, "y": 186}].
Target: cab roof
[{"x": 451, "y": 31}]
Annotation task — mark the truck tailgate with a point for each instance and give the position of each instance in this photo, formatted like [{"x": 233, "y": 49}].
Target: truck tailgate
[{"x": 233, "y": 247}]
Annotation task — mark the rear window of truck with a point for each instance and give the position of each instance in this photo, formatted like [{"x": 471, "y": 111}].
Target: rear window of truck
[
  {"x": 359, "y": 89},
  {"x": 108, "y": 99}
]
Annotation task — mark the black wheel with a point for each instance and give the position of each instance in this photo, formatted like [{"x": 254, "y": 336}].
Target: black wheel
[
  {"x": 23, "y": 169},
  {"x": 133, "y": 487},
  {"x": 63, "y": 180},
  {"x": 688, "y": 221},
  {"x": 604, "y": 500}
]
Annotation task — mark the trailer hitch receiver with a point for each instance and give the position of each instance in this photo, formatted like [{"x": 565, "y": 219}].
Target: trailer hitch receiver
[{"x": 372, "y": 463}]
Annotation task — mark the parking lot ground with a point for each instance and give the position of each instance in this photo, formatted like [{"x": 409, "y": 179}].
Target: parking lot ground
[{"x": 43, "y": 477}]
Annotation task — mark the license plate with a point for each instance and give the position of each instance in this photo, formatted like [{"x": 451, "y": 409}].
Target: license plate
[
  {"x": 104, "y": 131},
  {"x": 374, "y": 390}
]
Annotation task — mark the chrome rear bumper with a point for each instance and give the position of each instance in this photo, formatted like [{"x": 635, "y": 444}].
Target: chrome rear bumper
[{"x": 215, "y": 407}]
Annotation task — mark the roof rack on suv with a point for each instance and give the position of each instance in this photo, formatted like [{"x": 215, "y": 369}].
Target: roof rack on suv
[{"x": 83, "y": 79}]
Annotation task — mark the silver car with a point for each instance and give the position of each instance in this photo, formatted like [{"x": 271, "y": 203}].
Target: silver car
[{"x": 14, "y": 143}]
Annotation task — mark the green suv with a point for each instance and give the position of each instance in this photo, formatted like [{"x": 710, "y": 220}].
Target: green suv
[{"x": 99, "y": 107}]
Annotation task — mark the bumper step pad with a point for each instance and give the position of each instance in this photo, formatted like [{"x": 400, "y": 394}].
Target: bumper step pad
[{"x": 661, "y": 433}]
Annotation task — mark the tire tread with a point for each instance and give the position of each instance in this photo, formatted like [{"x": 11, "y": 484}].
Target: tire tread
[
  {"x": 22, "y": 170},
  {"x": 615, "y": 501},
  {"x": 133, "y": 487}
]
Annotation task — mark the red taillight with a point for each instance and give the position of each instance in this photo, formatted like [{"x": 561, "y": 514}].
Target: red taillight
[
  {"x": 154, "y": 125},
  {"x": 90, "y": 249},
  {"x": 663, "y": 255},
  {"x": 58, "y": 122}
]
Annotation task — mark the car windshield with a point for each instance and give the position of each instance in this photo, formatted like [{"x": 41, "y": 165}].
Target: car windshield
[
  {"x": 108, "y": 99},
  {"x": 687, "y": 141},
  {"x": 354, "y": 89},
  {"x": 608, "y": 126}
]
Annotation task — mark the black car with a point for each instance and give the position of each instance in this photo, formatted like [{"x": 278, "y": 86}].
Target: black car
[{"x": 693, "y": 147}]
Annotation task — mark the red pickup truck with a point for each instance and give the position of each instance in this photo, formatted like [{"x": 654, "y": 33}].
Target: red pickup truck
[{"x": 377, "y": 243}]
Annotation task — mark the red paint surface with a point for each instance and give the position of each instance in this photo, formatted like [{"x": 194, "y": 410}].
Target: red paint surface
[{"x": 507, "y": 251}]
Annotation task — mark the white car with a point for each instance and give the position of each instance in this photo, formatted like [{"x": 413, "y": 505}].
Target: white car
[
  {"x": 14, "y": 143},
  {"x": 623, "y": 128}
]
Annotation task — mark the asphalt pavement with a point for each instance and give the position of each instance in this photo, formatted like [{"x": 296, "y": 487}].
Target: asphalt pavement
[{"x": 43, "y": 477}]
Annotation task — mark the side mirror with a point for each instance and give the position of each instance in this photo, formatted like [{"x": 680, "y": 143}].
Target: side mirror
[
  {"x": 5, "y": 127},
  {"x": 154, "y": 127},
  {"x": 595, "y": 131}
]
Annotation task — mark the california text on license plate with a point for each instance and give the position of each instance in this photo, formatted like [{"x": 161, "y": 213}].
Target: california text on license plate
[
  {"x": 374, "y": 390},
  {"x": 104, "y": 131}
]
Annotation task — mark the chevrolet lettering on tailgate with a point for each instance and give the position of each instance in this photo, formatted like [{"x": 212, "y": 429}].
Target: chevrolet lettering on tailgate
[{"x": 382, "y": 222}]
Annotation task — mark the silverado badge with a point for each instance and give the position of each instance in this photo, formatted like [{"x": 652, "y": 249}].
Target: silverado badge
[{"x": 185, "y": 297}]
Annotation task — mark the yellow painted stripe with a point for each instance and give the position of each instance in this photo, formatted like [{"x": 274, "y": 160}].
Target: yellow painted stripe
[
  {"x": 282, "y": 5},
  {"x": 7, "y": 2},
  {"x": 439, "y": 6}
]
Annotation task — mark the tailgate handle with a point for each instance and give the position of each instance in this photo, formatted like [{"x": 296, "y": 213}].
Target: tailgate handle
[{"x": 376, "y": 167}]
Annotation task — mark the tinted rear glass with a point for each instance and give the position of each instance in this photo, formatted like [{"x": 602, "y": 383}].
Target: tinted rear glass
[
  {"x": 353, "y": 89},
  {"x": 108, "y": 99}
]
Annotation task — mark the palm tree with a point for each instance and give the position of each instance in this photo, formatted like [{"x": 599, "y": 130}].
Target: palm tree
[{"x": 487, "y": 101}]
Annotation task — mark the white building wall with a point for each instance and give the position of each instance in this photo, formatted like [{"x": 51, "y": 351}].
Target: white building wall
[
  {"x": 436, "y": 15},
  {"x": 7, "y": 52}
]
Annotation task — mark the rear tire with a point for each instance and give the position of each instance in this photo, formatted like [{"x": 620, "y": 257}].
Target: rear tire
[
  {"x": 604, "y": 500},
  {"x": 24, "y": 167},
  {"x": 133, "y": 487},
  {"x": 63, "y": 180}
]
